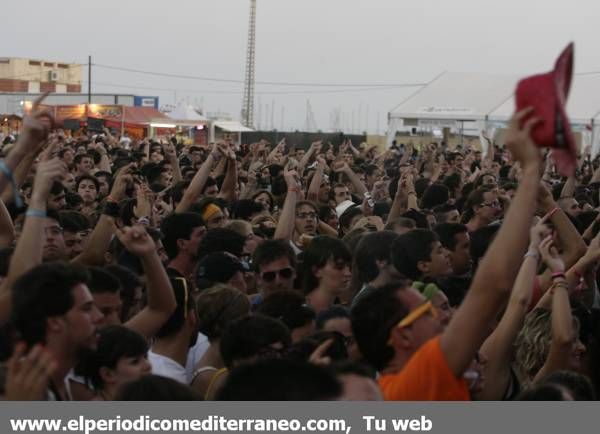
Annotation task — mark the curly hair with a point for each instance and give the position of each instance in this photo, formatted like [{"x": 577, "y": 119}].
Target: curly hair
[{"x": 533, "y": 343}]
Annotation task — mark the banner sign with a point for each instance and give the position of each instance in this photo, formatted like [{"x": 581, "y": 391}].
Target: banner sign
[{"x": 299, "y": 417}]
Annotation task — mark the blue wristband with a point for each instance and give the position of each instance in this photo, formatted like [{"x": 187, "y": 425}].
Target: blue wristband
[{"x": 35, "y": 213}]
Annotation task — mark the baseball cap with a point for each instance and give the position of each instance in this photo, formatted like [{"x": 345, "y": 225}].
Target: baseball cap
[{"x": 218, "y": 267}]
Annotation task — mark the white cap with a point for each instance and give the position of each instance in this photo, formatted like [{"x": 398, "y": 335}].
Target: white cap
[{"x": 342, "y": 207}]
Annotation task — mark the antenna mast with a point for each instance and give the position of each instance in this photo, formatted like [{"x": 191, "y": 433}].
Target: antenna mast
[{"x": 248, "y": 102}]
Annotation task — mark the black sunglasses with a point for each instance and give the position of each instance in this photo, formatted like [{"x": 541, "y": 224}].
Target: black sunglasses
[{"x": 284, "y": 273}]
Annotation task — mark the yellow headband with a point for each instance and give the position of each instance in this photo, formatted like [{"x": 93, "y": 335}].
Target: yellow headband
[{"x": 210, "y": 210}]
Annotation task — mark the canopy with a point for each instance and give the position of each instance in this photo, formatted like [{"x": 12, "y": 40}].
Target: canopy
[
  {"x": 185, "y": 112},
  {"x": 232, "y": 126},
  {"x": 457, "y": 96},
  {"x": 488, "y": 99},
  {"x": 142, "y": 115}
]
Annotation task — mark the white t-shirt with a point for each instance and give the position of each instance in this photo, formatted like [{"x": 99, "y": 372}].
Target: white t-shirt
[
  {"x": 194, "y": 355},
  {"x": 166, "y": 367}
]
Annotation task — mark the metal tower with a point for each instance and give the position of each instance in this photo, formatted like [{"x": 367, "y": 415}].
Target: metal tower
[{"x": 248, "y": 102}]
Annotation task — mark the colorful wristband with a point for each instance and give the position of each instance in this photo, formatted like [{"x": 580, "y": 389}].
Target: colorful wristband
[{"x": 558, "y": 274}]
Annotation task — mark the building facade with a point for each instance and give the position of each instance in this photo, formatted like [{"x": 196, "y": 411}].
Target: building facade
[{"x": 35, "y": 76}]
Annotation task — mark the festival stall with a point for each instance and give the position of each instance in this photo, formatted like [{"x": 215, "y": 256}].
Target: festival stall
[
  {"x": 135, "y": 121},
  {"x": 187, "y": 124}
]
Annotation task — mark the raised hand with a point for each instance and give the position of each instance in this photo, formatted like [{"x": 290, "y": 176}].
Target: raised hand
[
  {"x": 341, "y": 167},
  {"x": 143, "y": 207},
  {"x": 291, "y": 178},
  {"x": 318, "y": 356},
  {"x": 122, "y": 181},
  {"x": 28, "y": 375},
  {"x": 550, "y": 255},
  {"x": 137, "y": 241},
  {"x": 518, "y": 139},
  {"x": 47, "y": 173},
  {"x": 545, "y": 199},
  {"x": 170, "y": 152},
  {"x": 36, "y": 126},
  {"x": 317, "y": 146},
  {"x": 539, "y": 232}
]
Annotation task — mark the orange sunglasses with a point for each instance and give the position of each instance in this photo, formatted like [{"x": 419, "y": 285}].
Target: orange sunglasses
[{"x": 414, "y": 315}]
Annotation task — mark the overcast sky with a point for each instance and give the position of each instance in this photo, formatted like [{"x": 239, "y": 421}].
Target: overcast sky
[{"x": 300, "y": 41}]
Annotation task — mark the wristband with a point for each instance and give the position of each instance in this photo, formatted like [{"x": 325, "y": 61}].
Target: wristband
[
  {"x": 111, "y": 209},
  {"x": 144, "y": 221},
  {"x": 558, "y": 274},
  {"x": 109, "y": 198},
  {"x": 532, "y": 253},
  {"x": 294, "y": 190},
  {"x": 31, "y": 212}
]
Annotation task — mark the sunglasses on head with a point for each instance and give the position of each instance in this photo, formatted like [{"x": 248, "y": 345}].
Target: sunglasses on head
[{"x": 284, "y": 273}]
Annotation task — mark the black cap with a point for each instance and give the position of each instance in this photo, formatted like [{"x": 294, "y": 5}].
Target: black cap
[{"x": 218, "y": 267}]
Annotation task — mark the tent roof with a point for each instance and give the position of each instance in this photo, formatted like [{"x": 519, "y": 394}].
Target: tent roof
[
  {"x": 457, "y": 96},
  {"x": 232, "y": 126},
  {"x": 142, "y": 115},
  {"x": 185, "y": 112},
  {"x": 472, "y": 97}
]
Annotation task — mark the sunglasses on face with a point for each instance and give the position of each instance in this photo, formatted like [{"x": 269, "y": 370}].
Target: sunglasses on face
[
  {"x": 284, "y": 273},
  {"x": 408, "y": 320}
]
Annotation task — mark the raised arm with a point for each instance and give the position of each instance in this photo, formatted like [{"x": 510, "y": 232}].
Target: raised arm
[
  {"x": 359, "y": 188},
  {"x": 34, "y": 133},
  {"x": 161, "y": 301},
  {"x": 7, "y": 229},
  {"x": 572, "y": 244},
  {"x": 287, "y": 218},
  {"x": 314, "y": 149},
  {"x": 315, "y": 184},
  {"x": 497, "y": 270},
  {"x": 227, "y": 191},
  {"x": 568, "y": 189},
  {"x": 28, "y": 252},
  {"x": 400, "y": 200},
  {"x": 490, "y": 144},
  {"x": 193, "y": 191},
  {"x": 100, "y": 238},
  {"x": 171, "y": 154},
  {"x": 104, "y": 164},
  {"x": 562, "y": 319},
  {"x": 498, "y": 347}
]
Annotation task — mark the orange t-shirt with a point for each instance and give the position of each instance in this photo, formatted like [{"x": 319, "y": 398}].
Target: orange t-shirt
[{"x": 426, "y": 377}]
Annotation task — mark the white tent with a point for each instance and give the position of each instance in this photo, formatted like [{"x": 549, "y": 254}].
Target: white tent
[
  {"x": 454, "y": 98},
  {"x": 185, "y": 112}
]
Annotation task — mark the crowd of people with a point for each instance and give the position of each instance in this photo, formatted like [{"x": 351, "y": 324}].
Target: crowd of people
[{"x": 154, "y": 270}]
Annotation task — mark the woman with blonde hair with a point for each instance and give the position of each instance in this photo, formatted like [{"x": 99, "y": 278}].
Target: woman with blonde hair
[
  {"x": 217, "y": 307},
  {"x": 549, "y": 340}
]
